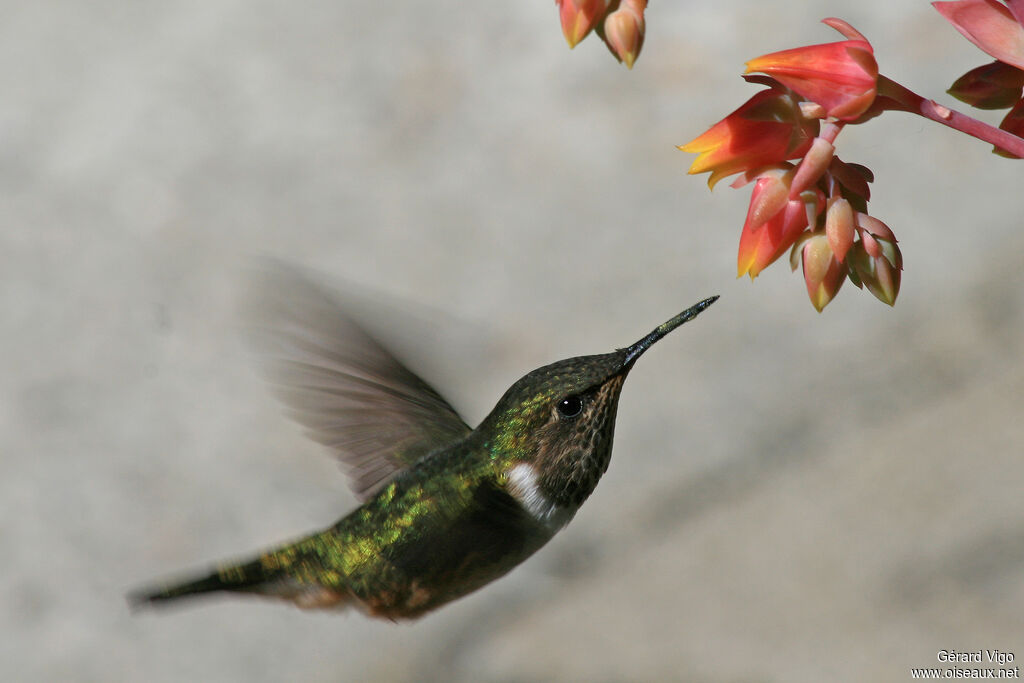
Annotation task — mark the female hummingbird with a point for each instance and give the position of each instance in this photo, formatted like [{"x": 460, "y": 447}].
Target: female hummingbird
[{"x": 445, "y": 509}]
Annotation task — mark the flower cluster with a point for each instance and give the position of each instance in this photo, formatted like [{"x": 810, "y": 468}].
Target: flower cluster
[
  {"x": 805, "y": 198},
  {"x": 998, "y": 29},
  {"x": 619, "y": 23}
]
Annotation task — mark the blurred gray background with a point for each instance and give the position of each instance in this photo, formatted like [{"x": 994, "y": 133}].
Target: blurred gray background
[{"x": 793, "y": 496}]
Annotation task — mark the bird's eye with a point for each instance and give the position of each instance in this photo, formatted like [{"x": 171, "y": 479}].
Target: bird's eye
[{"x": 570, "y": 406}]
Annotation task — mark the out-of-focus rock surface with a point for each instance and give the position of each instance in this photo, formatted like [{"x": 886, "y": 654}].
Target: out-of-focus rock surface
[{"x": 793, "y": 496}]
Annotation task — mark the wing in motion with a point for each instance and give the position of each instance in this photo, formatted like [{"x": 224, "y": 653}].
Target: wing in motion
[{"x": 350, "y": 393}]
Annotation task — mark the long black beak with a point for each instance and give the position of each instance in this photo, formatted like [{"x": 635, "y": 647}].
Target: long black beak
[{"x": 634, "y": 351}]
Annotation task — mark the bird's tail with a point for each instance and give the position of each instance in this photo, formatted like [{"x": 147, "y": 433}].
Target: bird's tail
[
  {"x": 249, "y": 577},
  {"x": 287, "y": 573}
]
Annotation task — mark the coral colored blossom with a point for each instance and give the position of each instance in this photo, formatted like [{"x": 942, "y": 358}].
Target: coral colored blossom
[
  {"x": 842, "y": 77},
  {"x": 765, "y": 130},
  {"x": 761, "y": 245}
]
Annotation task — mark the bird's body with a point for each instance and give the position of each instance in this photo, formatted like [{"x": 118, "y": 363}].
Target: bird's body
[
  {"x": 437, "y": 531},
  {"x": 445, "y": 509}
]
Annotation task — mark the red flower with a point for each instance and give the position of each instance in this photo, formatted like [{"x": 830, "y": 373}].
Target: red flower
[{"x": 842, "y": 77}]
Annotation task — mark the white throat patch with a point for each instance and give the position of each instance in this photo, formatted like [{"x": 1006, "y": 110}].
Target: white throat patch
[{"x": 522, "y": 484}]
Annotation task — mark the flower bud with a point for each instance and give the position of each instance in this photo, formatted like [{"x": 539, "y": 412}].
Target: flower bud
[
  {"x": 771, "y": 192},
  {"x": 823, "y": 274},
  {"x": 839, "y": 227},
  {"x": 579, "y": 17},
  {"x": 624, "y": 31},
  {"x": 814, "y": 163},
  {"x": 760, "y": 245},
  {"x": 881, "y": 274}
]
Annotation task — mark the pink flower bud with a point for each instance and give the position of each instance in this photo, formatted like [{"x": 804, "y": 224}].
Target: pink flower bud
[
  {"x": 817, "y": 255},
  {"x": 839, "y": 227},
  {"x": 814, "y": 164},
  {"x": 823, "y": 274},
  {"x": 579, "y": 17},
  {"x": 624, "y": 31},
  {"x": 771, "y": 192}
]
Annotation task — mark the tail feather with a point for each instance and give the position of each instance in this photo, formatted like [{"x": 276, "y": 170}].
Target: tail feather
[{"x": 251, "y": 577}]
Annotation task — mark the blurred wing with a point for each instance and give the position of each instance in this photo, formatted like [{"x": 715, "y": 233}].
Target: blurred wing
[{"x": 346, "y": 389}]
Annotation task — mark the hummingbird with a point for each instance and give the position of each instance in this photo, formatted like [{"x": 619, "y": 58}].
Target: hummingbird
[{"x": 444, "y": 509}]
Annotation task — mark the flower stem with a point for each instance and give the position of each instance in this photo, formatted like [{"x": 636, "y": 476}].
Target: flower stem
[{"x": 909, "y": 101}]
